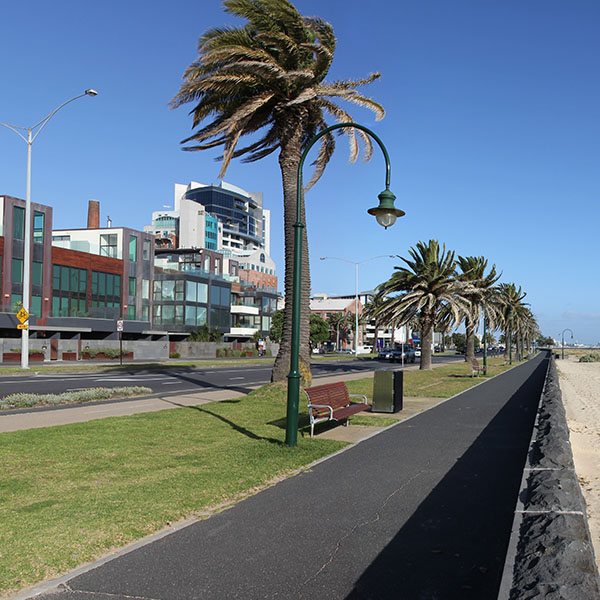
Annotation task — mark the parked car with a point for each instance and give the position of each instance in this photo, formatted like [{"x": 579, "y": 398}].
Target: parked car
[
  {"x": 409, "y": 355},
  {"x": 385, "y": 354}
]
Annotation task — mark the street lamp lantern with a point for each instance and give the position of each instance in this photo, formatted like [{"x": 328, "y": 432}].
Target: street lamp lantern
[{"x": 386, "y": 213}]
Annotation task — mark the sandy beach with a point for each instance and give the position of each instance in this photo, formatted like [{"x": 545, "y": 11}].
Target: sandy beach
[{"x": 580, "y": 385}]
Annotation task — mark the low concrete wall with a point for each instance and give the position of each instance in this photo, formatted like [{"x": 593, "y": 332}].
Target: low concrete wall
[{"x": 550, "y": 555}]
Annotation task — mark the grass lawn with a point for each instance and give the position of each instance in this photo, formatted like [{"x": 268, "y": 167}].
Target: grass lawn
[
  {"x": 441, "y": 382},
  {"x": 69, "y": 494}
]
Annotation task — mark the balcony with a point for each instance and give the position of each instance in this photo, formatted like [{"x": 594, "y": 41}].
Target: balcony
[
  {"x": 242, "y": 309},
  {"x": 242, "y": 332}
]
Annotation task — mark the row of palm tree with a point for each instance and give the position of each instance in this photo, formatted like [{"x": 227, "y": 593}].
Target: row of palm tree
[
  {"x": 343, "y": 322},
  {"x": 435, "y": 289}
]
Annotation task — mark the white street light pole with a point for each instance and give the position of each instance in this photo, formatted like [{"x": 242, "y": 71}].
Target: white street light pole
[
  {"x": 31, "y": 137},
  {"x": 356, "y": 288}
]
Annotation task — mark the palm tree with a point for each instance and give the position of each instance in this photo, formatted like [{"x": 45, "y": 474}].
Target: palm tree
[
  {"x": 473, "y": 270},
  {"x": 512, "y": 312},
  {"x": 426, "y": 286},
  {"x": 372, "y": 312},
  {"x": 267, "y": 78},
  {"x": 337, "y": 321}
]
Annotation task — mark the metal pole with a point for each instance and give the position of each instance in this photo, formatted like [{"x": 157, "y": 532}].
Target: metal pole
[
  {"x": 293, "y": 391},
  {"x": 27, "y": 256},
  {"x": 484, "y": 340},
  {"x": 356, "y": 315}
]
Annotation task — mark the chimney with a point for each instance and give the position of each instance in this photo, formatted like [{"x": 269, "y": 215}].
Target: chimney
[{"x": 93, "y": 214}]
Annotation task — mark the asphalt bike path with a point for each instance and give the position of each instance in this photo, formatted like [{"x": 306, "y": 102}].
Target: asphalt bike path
[{"x": 421, "y": 511}]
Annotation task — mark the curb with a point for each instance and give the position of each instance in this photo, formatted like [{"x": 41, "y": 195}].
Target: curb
[{"x": 550, "y": 553}]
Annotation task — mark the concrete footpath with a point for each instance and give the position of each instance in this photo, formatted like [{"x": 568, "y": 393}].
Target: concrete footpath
[{"x": 421, "y": 511}]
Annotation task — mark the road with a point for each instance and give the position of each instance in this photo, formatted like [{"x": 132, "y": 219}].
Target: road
[{"x": 238, "y": 377}]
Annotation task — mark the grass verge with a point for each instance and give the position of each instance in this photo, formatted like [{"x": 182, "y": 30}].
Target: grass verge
[{"x": 441, "y": 382}]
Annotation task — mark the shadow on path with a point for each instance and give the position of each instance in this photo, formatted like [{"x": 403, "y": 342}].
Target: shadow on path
[{"x": 454, "y": 545}]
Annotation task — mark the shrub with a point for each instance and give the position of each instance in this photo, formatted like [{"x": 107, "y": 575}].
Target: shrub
[
  {"x": 108, "y": 352},
  {"x": 174, "y": 355},
  {"x": 22, "y": 400},
  {"x": 591, "y": 357}
]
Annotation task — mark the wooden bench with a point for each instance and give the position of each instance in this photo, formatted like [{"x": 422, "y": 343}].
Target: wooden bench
[
  {"x": 331, "y": 402},
  {"x": 475, "y": 368}
]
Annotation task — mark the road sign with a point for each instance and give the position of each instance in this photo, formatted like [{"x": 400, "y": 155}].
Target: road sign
[
  {"x": 22, "y": 315},
  {"x": 119, "y": 325},
  {"x": 22, "y": 326}
]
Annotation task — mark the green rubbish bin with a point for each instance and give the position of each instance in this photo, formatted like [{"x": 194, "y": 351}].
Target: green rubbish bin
[{"x": 387, "y": 391}]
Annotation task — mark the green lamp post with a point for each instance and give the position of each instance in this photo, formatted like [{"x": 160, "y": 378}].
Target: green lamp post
[
  {"x": 484, "y": 339},
  {"x": 386, "y": 215},
  {"x": 563, "y": 342}
]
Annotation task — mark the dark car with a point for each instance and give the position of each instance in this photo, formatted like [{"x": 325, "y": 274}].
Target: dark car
[
  {"x": 409, "y": 355},
  {"x": 385, "y": 354}
]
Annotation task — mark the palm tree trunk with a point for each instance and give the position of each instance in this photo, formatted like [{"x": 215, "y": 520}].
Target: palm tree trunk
[
  {"x": 289, "y": 159},
  {"x": 470, "y": 341},
  {"x": 426, "y": 327}
]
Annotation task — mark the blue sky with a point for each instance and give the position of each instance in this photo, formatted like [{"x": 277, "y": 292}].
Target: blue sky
[{"x": 492, "y": 127}]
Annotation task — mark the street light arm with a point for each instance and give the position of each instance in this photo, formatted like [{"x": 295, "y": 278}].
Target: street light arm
[
  {"x": 316, "y": 138},
  {"x": 45, "y": 120},
  {"x": 15, "y": 128}
]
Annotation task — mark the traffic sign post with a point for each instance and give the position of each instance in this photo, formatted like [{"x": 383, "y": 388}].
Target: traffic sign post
[{"x": 120, "y": 330}]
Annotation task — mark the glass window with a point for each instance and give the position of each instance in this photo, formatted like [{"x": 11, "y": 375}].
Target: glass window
[
  {"x": 36, "y": 306},
  {"x": 132, "y": 248},
  {"x": 108, "y": 245},
  {"x": 215, "y": 295},
  {"x": 18, "y": 223},
  {"x": 74, "y": 278},
  {"x": 132, "y": 282},
  {"x": 36, "y": 273},
  {"x": 110, "y": 284},
  {"x": 179, "y": 284},
  {"x": 145, "y": 313},
  {"x": 168, "y": 290},
  {"x": 203, "y": 292},
  {"x": 102, "y": 284},
  {"x": 117, "y": 286},
  {"x": 190, "y": 315},
  {"x": 179, "y": 314},
  {"x": 82, "y": 281},
  {"x": 146, "y": 289},
  {"x": 157, "y": 290},
  {"x": 17, "y": 270},
  {"x": 225, "y": 296},
  {"x": 56, "y": 277},
  {"x": 156, "y": 313},
  {"x": 201, "y": 315},
  {"x": 94, "y": 283},
  {"x": 38, "y": 227},
  {"x": 146, "y": 250},
  {"x": 191, "y": 293},
  {"x": 168, "y": 313},
  {"x": 55, "y": 306},
  {"x": 131, "y": 312}
]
